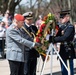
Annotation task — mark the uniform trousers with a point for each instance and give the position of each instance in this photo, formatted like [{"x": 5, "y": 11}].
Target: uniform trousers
[
  {"x": 71, "y": 66},
  {"x": 30, "y": 64},
  {"x": 16, "y": 68}
]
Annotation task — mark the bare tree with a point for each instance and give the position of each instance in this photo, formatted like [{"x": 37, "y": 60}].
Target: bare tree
[
  {"x": 9, "y": 4},
  {"x": 40, "y": 6}
]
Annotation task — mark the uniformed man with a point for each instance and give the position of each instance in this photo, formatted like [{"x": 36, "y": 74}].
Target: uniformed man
[
  {"x": 65, "y": 37},
  {"x": 30, "y": 56},
  {"x": 15, "y": 46}
]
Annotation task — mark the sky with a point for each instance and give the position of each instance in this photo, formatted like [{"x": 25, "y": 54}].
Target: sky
[{"x": 25, "y": 1}]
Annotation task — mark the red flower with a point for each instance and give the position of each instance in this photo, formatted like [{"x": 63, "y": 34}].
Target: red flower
[
  {"x": 45, "y": 18},
  {"x": 38, "y": 40},
  {"x": 39, "y": 35},
  {"x": 43, "y": 26},
  {"x": 48, "y": 32},
  {"x": 57, "y": 27},
  {"x": 40, "y": 30}
]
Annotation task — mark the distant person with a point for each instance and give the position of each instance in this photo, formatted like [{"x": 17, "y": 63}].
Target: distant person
[
  {"x": 1, "y": 15},
  {"x": 2, "y": 29},
  {"x": 7, "y": 19},
  {"x": 39, "y": 21},
  {"x": 2, "y": 37}
]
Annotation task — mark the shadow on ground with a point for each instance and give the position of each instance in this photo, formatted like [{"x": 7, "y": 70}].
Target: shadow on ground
[{"x": 59, "y": 73}]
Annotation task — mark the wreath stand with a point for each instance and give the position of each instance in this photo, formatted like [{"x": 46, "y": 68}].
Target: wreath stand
[{"x": 51, "y": 49}]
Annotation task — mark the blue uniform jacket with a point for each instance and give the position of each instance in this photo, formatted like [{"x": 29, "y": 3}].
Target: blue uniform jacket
[{"x": 66, "y": 34}]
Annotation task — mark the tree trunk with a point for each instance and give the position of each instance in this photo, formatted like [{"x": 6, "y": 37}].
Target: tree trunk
[
  {"x": 10, "y": 5},
  {"x": 4, "y": 5}
]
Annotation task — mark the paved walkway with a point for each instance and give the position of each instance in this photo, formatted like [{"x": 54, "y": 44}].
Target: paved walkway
[{"x": 4, "y": 67}]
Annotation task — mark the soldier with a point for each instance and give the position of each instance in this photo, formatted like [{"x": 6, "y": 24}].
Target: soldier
[
  {"x": 15, "y": 46},
  {"x": 65, "y": 37},
  {"x": 30, "y": 55}
]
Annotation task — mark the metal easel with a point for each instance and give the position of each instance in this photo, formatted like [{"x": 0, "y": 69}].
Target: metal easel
[{"x": 50, "y": 49}]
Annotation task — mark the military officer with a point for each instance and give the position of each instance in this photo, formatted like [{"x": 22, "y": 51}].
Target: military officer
[
  {"x": 15, "y": 46},
  {"x": 30, "y": 55},
  {"x": 65, "y": 37}
]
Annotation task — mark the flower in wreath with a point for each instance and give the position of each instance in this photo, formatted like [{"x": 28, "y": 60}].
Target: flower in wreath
[{"x": 43, "y": 32}]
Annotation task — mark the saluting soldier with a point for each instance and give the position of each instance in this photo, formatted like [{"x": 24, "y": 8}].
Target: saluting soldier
[
  {"x": 15, "y": 46},
  {"x": 30, "y": 54},
  {"x": 65, "y": 37}
]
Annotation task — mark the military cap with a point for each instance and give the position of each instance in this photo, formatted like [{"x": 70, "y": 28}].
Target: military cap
[
  {"x": 28, "y": 15},
  {"x": 63, "y": 13}
]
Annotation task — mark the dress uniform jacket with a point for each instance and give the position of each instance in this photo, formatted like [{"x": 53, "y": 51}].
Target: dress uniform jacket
[
  {"x": 15, "y": 44},
  {"x": 65, "y": 36},
  {"x": 33, "y": 52},
  {"x": 30, "y": 54}
]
